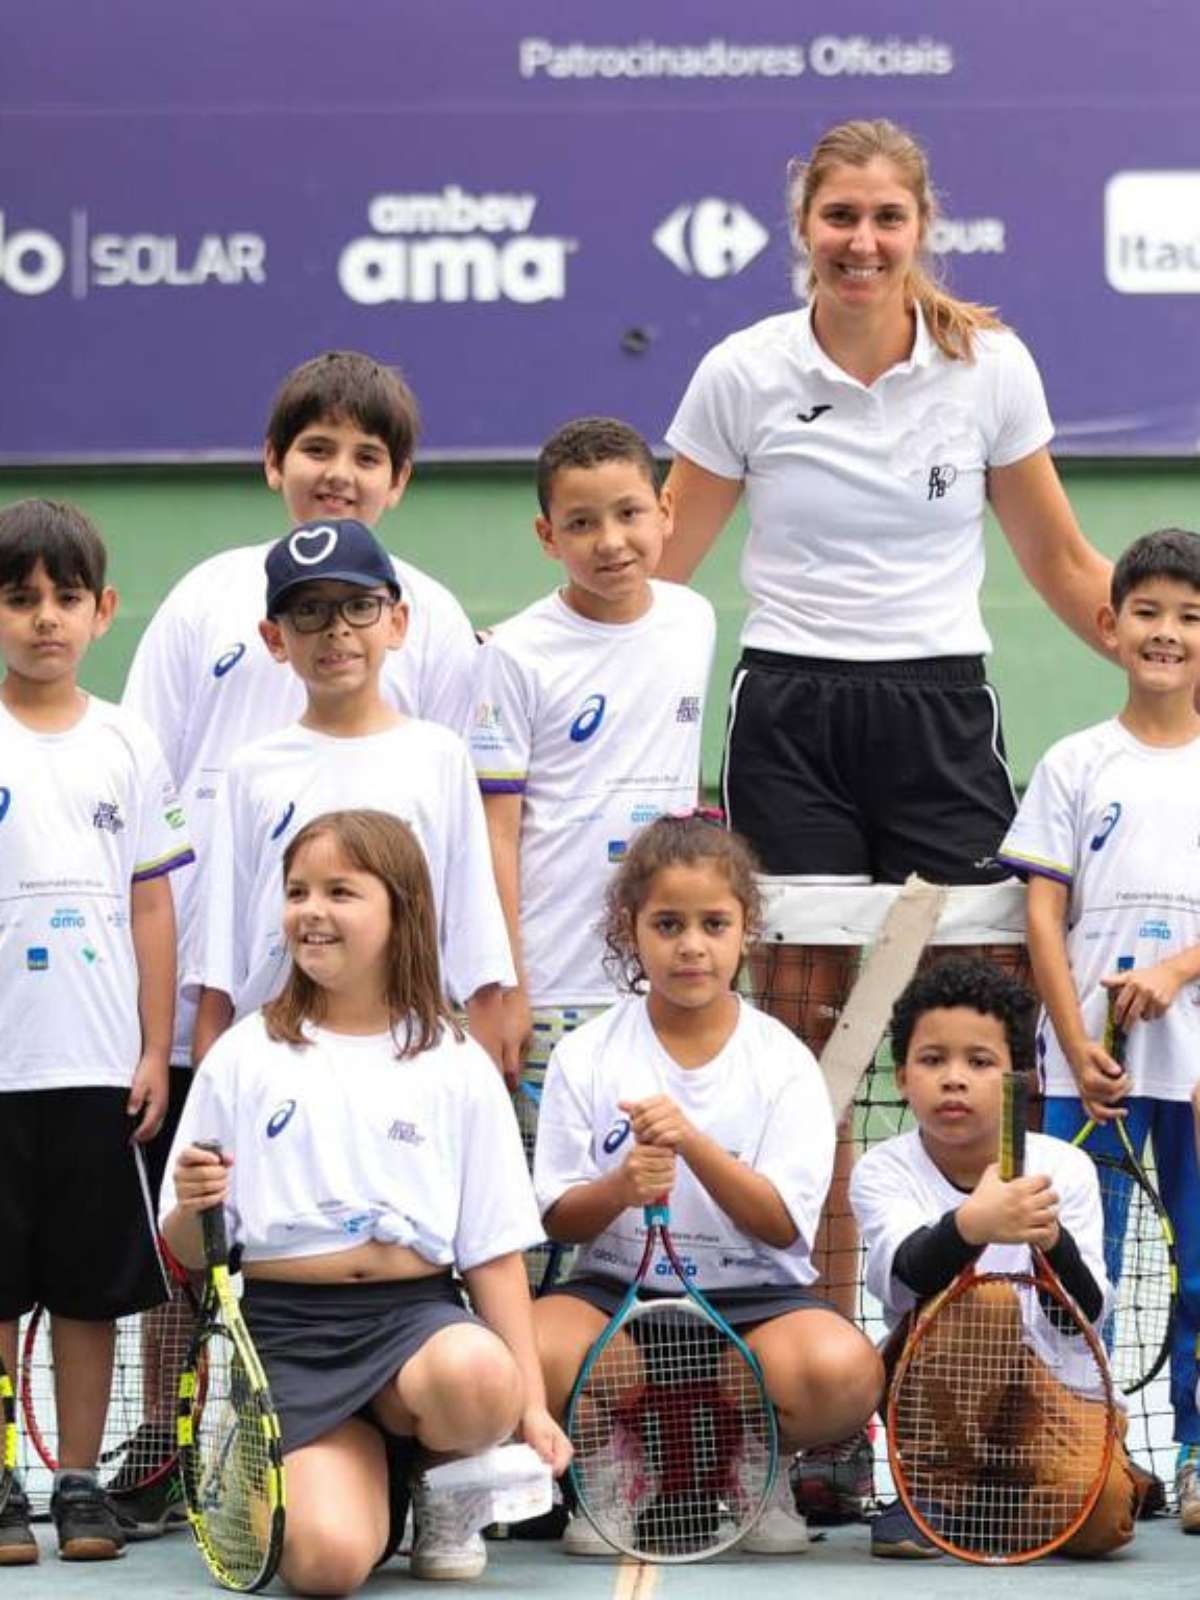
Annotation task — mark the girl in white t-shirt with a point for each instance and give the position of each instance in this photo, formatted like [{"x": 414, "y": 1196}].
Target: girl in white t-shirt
[
  {"x": 369, "y": 1149},
  {"x": 685, "y": 1089}
]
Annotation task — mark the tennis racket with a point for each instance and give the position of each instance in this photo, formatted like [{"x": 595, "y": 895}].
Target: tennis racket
[
  {"x": 1001, "y": 1419},
  {"x": 544, "y": 1263},
  {"x": 8, "y": 1435},
  {"x": 230, "y": 1452},
  {"x": 675, "y": 1439}
]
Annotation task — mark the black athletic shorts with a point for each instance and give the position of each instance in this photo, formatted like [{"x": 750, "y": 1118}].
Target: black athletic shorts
[
  {"x": 77, "y": 1234},
  {"x": 868, "y": 769}
]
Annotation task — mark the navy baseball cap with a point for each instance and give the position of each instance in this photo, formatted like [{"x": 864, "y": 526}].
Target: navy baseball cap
[{"x": 346, "y": 550}]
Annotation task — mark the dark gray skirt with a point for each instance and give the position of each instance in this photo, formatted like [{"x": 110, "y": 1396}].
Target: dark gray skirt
[
  {"x": 742, "y": 1308},
  {"x": 329, "y": 1348}
]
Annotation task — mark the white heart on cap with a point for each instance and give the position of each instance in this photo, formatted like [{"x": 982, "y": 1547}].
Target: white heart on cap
[{"x": 326, "y": 538}]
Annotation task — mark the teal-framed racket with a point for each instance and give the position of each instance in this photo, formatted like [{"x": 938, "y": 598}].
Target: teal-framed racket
[{"x": 675, "y": 1439}]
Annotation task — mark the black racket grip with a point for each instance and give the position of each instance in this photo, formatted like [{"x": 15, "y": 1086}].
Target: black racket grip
[{"x": 212, "y": 1221}]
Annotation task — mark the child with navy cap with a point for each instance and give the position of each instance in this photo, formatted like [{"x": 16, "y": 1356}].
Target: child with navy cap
[{"x": 334, "y": 614}]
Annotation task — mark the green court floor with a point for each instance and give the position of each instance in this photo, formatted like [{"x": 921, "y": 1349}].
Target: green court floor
[{"x": 472, "y": 528}]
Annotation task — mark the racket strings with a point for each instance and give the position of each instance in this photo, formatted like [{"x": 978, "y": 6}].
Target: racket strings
[
  {"x": 1000, "y": 1454},
  {"x": 1140, "y": 1265},
  {"x": 546, "y": 1263},
  {"x": 230, "y": 1467},
  {"x": 673, "y": 1437}
]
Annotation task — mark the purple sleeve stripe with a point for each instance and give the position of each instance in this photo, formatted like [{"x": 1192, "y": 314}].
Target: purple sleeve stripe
[
  {"x": 502, "y": 785},
  {"x": 158, "y": 869},
  {"x": 1033, "y": 867}
]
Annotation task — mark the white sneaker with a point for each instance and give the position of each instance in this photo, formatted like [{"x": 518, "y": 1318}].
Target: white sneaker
[
  {"x": 442, "y": 1548},
  {"x": 581, "y": 1539},
  {"x": 780, "y": 1530}
]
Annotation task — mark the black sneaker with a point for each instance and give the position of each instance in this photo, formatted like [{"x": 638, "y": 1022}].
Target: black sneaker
[
  {"x": 18, "y": 1547},
  {"x": 87, "y": 1527},
  {"x": 895, "y": 1535},
  {"x": 835, "y": 1483},
  {"x": 150, "y": 1510}
]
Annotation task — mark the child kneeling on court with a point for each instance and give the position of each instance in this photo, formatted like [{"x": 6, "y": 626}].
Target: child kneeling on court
[
  {"x": 369, "y": 1150},
  {"x": 931, "y": 1201},
  {"x": 684, "y": 1090}
]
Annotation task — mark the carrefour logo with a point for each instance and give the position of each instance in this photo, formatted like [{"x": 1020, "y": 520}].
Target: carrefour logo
[
  {"x": 710, "y": 239},
  {"x": 452, "y": 247},
  {"x": 589, "y": 718},
  {"x": 34, "y": 261}
]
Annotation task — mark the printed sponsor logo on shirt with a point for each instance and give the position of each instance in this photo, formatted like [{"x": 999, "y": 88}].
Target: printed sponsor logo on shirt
[
  {"x": 289, "y": 813},
  {"x": 90, "y": 955},
  {"x": 591, "y": 715},
  {"x": 1112, "y": 815},
  {"x": 739, "y": 1261},
  {"x": 174, "y": 818},
  {"x": 68, "y": 917},
  {"x": 107, "y": 817},
  {"x": 941, "y": 479},
  {"x": 617, "y": 849},
  {"x": 117, "y": 919},
  {"x": 610, "y": 1256},
  {"x": 664, "y": 1269},
  {"x": 1155, "y": 928},
  {"x": 688, "y": 709},
  {"x": 616, "y": 1135},
  {"x": 280, "y": 1118},
  {"x": 406, "y": 1133},
  {"x": 37, "y": 958},
  {"x": 228, "y": 660},
  {"x": 487, "y": 715},
  {"x": 5, "y": 802},
  {"x": 643, "y": 813}
]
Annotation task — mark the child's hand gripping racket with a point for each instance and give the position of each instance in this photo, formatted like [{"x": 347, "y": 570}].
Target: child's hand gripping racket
[
  {"x": 229, "y": 1441},
  {"x": 1001, "y": 1420},
  {"x": 674, "y": 1434}
]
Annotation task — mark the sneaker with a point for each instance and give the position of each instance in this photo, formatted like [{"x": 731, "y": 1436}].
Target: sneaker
[
  {"x": 1187, "y": 1489},
  {"x": 442, "y": 1549},
  {"x": 894, "y": 1534},
  {"x": 150, "y": 1510},
  {"x": 581, "y": 1539},
  {"x": 87, "y": 1528},
  {"x": 18, "y": 1547},
  {"x": 781, "y": 1530},
  {"x": 835, "y": 1483}
]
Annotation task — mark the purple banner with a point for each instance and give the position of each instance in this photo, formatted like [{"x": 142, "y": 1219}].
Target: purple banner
[{"x": 538, "y": 211}]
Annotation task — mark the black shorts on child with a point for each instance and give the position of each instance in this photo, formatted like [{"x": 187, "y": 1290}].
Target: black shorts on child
[
  {"x": 868, "y": 769},
  {"x": 78, "y": 1236}
]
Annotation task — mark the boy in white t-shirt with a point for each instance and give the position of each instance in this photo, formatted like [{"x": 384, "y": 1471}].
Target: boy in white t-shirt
[
  {"x": 587, "y": 722},
  {"x": 334, "y": 612},
  {"x": 89, "y": 829},
  {"x": 339, "y": 443},
  {"x": 1107, "y": 837},
  {"x": 930, "y": 1201}
]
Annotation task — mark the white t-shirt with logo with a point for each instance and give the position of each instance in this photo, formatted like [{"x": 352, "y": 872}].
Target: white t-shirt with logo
[
  {"x": 84, "y": 814},
  {"x": 896, "y": 1189},
  {"x": 866, "y": 503},
  {"x": 418, "y": 771},
  {"x": 597, "y": 727},
  {"x": 337, "y": 1142},
  {"x": 204, "y": 681},
  {"x": 762, "y": 1099},
  {"x": 1118, "y": 822}
]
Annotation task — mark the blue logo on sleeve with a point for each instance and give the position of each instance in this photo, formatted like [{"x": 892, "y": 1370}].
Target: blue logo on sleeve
[
  {"x": 5, "y": 799},
  {"x": 589, "y": 719},
  {"x": 280, "y": 1118},
  {"x": 1112, "y": 815},
  {"x": 225, "y": 663},
  {"x": 37, "y": 958},
  {"x": 616, "y": 1135},
  {"x": 284, "y": 820}
]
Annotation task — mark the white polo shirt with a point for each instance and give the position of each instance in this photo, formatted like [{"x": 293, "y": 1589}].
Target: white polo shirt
[
  {"x": 205, "y": 682},
  {"x": 866, "y": 503}
]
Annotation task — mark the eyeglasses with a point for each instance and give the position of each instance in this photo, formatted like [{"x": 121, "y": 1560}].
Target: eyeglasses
[{"x": 356, "y": 610}]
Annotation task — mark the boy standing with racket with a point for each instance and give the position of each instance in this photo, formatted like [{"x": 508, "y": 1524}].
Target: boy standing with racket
[
  {"x": 1107, "y": 838},
  {"x": 587, "y": 722},
  {"x": 89, "y": 829},
  {"x": 932, "y": 1201}
]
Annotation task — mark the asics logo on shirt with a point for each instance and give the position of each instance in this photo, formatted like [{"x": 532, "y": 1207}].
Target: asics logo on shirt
[
  {"x": 284, "y": 819},
  {"x": 5, "y": 801},
  {"x": 591, "y": 715},
  {"x": 280, "y": 1118},
  {"x": 1112, "y": 815},
  {"x": 616, "y": 1135},
  {"x": 811, "y": 416},
  {"x": 224, "y": 663}
]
